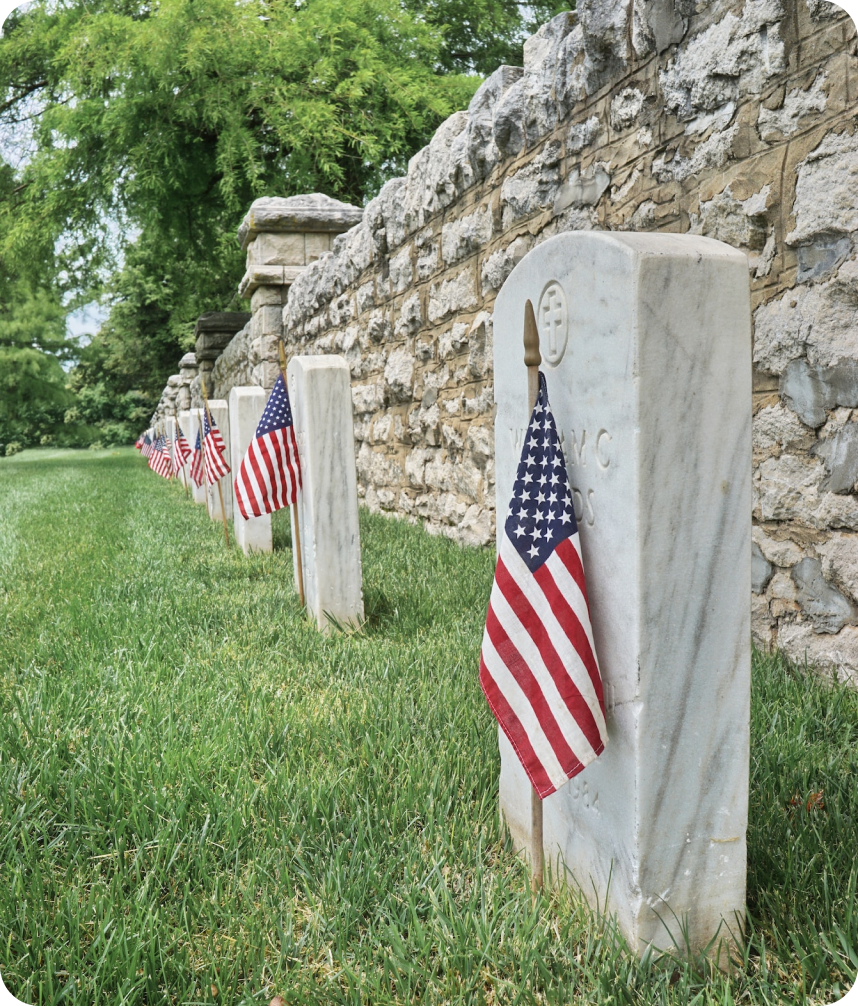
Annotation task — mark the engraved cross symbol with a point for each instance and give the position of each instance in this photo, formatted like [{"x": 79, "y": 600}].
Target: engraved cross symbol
[{"x": 552, "y": 317}]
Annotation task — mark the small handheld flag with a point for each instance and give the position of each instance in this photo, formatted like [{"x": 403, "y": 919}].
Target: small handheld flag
[
  {"x": 270, "y": 474},
  {"x": 215, "y": 462},
  {"x": 159, "y": 460},
  {"x": 197, "y": 463},
  {"x": 538, "y": 664},
  {"x": 182, "y": 451}
]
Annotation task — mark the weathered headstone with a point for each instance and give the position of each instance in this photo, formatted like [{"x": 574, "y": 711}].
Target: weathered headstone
[
  {"x": 646, "y": 350},
  {"x": 246, "y": 406},
  {"x": 170, "y": 430},
  {"x": 321, "y": 400},
  {"x": 220, "y": 415},
  {"x": 192, "y": 417}
]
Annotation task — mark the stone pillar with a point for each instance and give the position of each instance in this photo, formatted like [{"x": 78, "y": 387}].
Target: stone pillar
[
  {"x": 282, "y": 237},
  {"x": 246, "y": 406},
  {"x": 646, "y": 348},
  {"x": 187, "y": 373},
  {"x": 213, "y": 333},
  {"x": 321, "y": 400},
  {"x": 220, "y": 415}
]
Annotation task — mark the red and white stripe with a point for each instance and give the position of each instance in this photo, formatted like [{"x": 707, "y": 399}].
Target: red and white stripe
[
  {"x": 538, "y": 666},
  {"x": 181, "y": 451},
  {"x": 216, "y": 466},
  {"x": 270, "y": 474}
]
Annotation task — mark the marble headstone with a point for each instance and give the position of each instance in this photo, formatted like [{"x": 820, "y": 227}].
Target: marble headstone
[
  {"x": 220, "y": 415},
  {"x": 184, "y": 423},
  {"x": 321, "y": 399},
  {"x": 646, "y": 348},
  {"x": 246, "y": 406},
  {"x": 198, "y": 493}
]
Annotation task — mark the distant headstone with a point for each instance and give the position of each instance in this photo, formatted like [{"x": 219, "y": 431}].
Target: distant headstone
[
  {"x": 220, "y": 415},
  {"x": 646, "y": 349},
  {"x": 198, "y": 493},
  {"x": 321, "y": 400},
  {"x": 246, "y": 406}
]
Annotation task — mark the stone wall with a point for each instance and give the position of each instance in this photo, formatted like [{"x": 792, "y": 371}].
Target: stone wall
[{"x": 730, "y": 119}]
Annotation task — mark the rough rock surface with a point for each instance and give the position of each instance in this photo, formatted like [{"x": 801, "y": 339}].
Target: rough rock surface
[{"x": 733, "y": 118}]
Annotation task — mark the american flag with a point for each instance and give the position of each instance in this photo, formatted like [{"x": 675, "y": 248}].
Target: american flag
[
  {"x": 270, "y": 474},
  {"x": 216, "y": 466},
  {"x": 538, "y": 664},
  {"x": 197, "y": 463},
  {"x": 138, "y": 443},
  {"x": 181, "y": 450},
  {"x": 159, "y": 459},
  {"x": 146, "y": 449}
]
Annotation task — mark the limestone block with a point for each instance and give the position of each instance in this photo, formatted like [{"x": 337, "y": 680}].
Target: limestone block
[
  {"x": 276, "y": 249},
  {"x": 825, "y": 189},
  {"x": 761, "y": 570},
  {"x": 840, "y": 562},
  {"x": 455, "y": 293},
  {"x": 533, "y": 187},
  {"x": 827, "y": 609},
  {"x": 401, "y": 270},
  {"x": 838, "y": 653},
  {"x": 810, "y": 391},
  {"x": 219, "y": 409},
  {"x": 779, "y": 552},
  {"x": 399, "y": 375},
  {"x": 653, "y": 830},
  {"x": 734, "y": 57},
  {"x": 582, "y": 134},
  {"x": 319, "y": 392},
  {"x": 840, "y": 454},
  {"x": 482, "y": 151},
  {"x": 500, "y": 264},
  {"x": 798, "y": 106},
  {"x": 246, "y": 406},
  {"x": 467, "y": 234},
  {"x": 313, "y": 212},
  {"x": 626, "y": 108}
]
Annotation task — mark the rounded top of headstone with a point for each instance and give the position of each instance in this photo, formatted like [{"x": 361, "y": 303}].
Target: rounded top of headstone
[
  {"x": 188, "y": 360},
  {"x": 221, "y": 321},
  {"x": 312, "y": 212}
]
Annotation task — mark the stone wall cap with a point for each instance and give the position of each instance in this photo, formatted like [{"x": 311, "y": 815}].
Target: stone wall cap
[
  {"x": 312, "y": 212},
  {"x": 221, "y": 321},
  {"x": 268, "y": 275},
  {"x": 188, "y": 360}
]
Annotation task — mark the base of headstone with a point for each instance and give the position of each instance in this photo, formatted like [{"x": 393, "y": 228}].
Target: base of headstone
[
  {"x": 246, "y": 406},
  {"x": 646, "y": 347},
  {"x": 321, "y": 399}
]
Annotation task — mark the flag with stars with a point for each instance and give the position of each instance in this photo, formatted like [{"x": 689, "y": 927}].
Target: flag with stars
[
  {"x": 270, "y": 474},
  {"x": 146, "y": 449},
  {"x": 197, "y": 463},
  {"x": 215, "y": 462},
  {"x": 159, "y": 459},
  {"x": 181, "y": 451},
  {"x": 538, "y": 666}
]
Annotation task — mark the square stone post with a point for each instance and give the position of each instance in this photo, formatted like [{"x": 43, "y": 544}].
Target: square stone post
[
  {"x": 282, "y": 237},
  {"x": 213, "y": 333},
  {"x": 646, "y": 347},
  {"x": 246, "y": 406},
  {"x": 321, "y": 400},
  {"x": 220, "y": 414},
  {"x": 187, "y": 373}
]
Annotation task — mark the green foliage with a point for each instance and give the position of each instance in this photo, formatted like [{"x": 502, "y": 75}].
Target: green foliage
[{"x": 199, "y": 790}]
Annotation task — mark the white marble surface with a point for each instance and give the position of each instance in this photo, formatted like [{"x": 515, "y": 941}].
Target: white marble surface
[
  {"x": 650, "y": 383},
  {"x": 321, "y": 399},
  {"x": 184, "y": 475},
  {"x": 192, "y": 417},
  {"x": 246, "y": 406},
  {"x": 219, "y": 409}
]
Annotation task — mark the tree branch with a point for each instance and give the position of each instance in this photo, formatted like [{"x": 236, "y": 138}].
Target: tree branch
[{"x": 23, "y": 94}]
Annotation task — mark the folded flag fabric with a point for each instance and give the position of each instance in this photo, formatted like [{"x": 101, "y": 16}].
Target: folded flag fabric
[
  {"x": 216, "y": 466},
  {"x": 270, "y": 474},
  {"x": 197, "y": 463},
  {"x": 181, "y": 451},
  {"x": 538, "y": 665}
]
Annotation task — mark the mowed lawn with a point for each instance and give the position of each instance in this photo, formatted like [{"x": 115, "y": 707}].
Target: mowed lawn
[{"x": 203, "y": 800}]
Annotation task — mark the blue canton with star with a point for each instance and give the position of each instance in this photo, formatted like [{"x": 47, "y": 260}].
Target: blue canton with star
[
  {"x": 541, "y": 514},
  {"x": 277, "y": 414}
]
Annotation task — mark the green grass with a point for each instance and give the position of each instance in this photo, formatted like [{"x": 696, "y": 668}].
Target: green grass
[{"x": 200, "y": 793}]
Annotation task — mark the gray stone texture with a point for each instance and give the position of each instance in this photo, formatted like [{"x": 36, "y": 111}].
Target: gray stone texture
[{"x": 732, "y": 119}]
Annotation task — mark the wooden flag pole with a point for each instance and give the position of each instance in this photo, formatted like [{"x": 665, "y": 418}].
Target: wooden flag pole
[
  {"x": 296, "y": 522},
  {"x": 532, "y": 360},
  {"x": 219, "y": 490}
]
